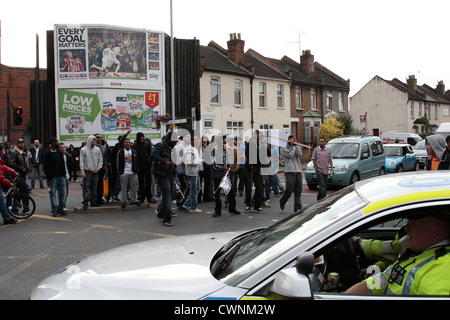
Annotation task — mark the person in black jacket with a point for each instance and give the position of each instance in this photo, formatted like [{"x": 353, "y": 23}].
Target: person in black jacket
[
  {"x": 144, "y": 150},
  {"x": 37, "y": 164},
  {"x": 128, "y": 168},
  {"x": 55, "y": 170},
  {"x": 164, "y": 170}
]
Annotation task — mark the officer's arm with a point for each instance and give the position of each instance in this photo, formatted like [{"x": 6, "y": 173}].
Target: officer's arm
[{"x": 359, "y": 288}]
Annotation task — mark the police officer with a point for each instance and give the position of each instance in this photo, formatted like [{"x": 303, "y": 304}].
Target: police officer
[{"x": 423, "y": 268}]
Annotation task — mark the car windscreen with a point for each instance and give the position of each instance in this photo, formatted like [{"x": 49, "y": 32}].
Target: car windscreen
[
  {"x": 344, "y": 150},
  {"x": 393, "y": 151},
  {"x": 265, "y": 246}
]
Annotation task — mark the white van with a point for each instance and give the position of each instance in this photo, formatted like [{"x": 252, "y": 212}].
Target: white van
[
  {"x": 444, "y": 129},
  {"x": 394, "y": 136}
]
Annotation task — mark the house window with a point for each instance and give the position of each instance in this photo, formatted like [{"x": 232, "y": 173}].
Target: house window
[
  {"x": 313, "y": 99},
  {"x": 262, "y": 95},
  {"x": 420, "y": 109},
  {"x": 411, "y": 110},
  {"x": 237, "y": 93},
  {"x": 236, "y": 128},
  {"x": 446, "y": 111},
  {"x": 341, "y": 102},
  {"x": 215, "y": 90},
  {"x": 428, "y": 111},
  {"x": 280, "y": 100},
  {"x": 307, "y": 133},
  {"x": 264, "y": 129},
  {"x": 436, "y": 116},
  {"x": 329, "y": 100},
  {"x": 298, "y": 98}
]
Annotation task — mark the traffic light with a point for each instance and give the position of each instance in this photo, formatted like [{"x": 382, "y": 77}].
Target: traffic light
[{"x": 17, "y": 116}]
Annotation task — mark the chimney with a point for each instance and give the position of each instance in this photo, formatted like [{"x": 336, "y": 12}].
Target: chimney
[
  {"x": 307, "y": 62},
  {"x": 236, "y": 48},
  {"x": 440, "y": 88},
  {"x": 412, "y": 83}
]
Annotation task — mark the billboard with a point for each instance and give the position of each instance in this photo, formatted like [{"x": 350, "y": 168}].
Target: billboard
[{"x": 108, "y": 80}]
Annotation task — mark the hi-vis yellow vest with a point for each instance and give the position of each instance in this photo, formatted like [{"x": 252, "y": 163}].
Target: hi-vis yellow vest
[{"x": 424, "y": 274}]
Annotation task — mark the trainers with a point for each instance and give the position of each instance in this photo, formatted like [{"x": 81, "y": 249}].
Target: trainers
[
  {"x": 195, "y": 210},
  {"x": 259, "y": 210},
  {"x": 10, "y": 221},
  {"x": 248, "y": 209},
  {"x": 168, "y": 223},
  {"x": 235, "y": 212}
]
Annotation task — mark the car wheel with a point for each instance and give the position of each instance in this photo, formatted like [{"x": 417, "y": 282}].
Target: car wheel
[
  {"x": 354, "y": 178},
  {"x": 399, "y": 168},
  {"x": 382, "y": 171},
  {"x": 417, "y": 166}
]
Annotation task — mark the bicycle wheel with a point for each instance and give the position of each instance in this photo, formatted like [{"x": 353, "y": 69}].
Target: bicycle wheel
[{"x": 22, "y": 206}]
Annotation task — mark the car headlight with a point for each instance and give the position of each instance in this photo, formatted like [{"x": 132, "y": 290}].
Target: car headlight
[
  {"x": 310, "y": 166},
  {"x": 392, "y": 163},
  {"x": 342, "y": 167}
]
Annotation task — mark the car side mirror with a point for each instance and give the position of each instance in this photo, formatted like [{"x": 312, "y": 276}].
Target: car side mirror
[{"x": 294, "y": 283}]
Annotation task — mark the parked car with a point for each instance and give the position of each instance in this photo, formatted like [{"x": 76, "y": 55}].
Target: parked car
[
  {"x": 251, "y": 264},
  {"x": 354, "y": 158},
  {"x": 399, "y": 137},
  {"x": 400, "y": 157},
  {"x": 444, "y": 129},
  {"x": 420, "y": 149}
]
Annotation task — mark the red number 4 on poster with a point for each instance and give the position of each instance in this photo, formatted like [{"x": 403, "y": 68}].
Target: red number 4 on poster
[{"x": 152, "y": 99}]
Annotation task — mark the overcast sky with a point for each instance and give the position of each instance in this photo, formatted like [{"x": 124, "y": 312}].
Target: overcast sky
[{"x": 356, "y": 39}]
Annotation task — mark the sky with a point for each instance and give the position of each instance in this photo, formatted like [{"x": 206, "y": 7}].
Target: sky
[{"x": 356, "y": 39}]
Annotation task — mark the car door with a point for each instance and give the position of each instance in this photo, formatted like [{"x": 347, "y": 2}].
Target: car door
[
  {"x": 410, "y": 158},
  {"x": 365, "y": 162}
]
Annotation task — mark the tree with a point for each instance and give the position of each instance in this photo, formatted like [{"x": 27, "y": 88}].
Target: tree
[{"x": 331, "y": 128}]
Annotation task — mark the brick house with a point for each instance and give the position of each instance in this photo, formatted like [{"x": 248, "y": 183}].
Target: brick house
[
  {"x": 16, "y": 81},
  {"x": 315, "y": 92}
]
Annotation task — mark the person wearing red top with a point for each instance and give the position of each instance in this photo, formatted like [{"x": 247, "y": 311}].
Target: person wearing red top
[{"x": 7, "y": 219}]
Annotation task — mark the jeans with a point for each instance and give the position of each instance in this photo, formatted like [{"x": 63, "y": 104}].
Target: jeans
[
  {"x": 58, "y": 185},
  {"x": 258, "y": 197},
  {"x": 194, "y": 189},
  {"x": 36, "y": 167},
  {"x": 90, "y": 187},
  {"x": 3, "y": 208},
  {"x": 165, "y": 210},
  {"x": 322, "y": 180},
  {"x": 293, "y": 182}
]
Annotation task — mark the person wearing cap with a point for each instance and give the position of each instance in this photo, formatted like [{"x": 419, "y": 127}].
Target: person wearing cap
[
  {"x": 17, "y": 161},
  {"x": 7, "y": 219},
  {"x": 423, "y": 268}
]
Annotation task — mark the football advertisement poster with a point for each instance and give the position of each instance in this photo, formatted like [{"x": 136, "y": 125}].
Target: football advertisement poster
[{"x": 108, "y": 80}]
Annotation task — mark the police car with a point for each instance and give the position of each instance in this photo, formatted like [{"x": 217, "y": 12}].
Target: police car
[{"x": 309, "y": 255}]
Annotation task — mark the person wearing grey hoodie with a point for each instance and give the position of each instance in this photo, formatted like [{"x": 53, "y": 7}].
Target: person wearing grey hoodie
[
  {"x": 436, "y": 146},
  {"x": 292, "y": 173},
  {"x": 91, "y": 161}
]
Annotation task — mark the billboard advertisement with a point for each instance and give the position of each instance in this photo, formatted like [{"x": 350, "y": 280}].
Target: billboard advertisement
[
  {"x": 110, "y": 112},
  {"x": 108, "y": 80}
]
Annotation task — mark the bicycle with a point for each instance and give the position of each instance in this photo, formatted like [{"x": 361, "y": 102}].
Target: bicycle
[{"x": 20, "y": 205}]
